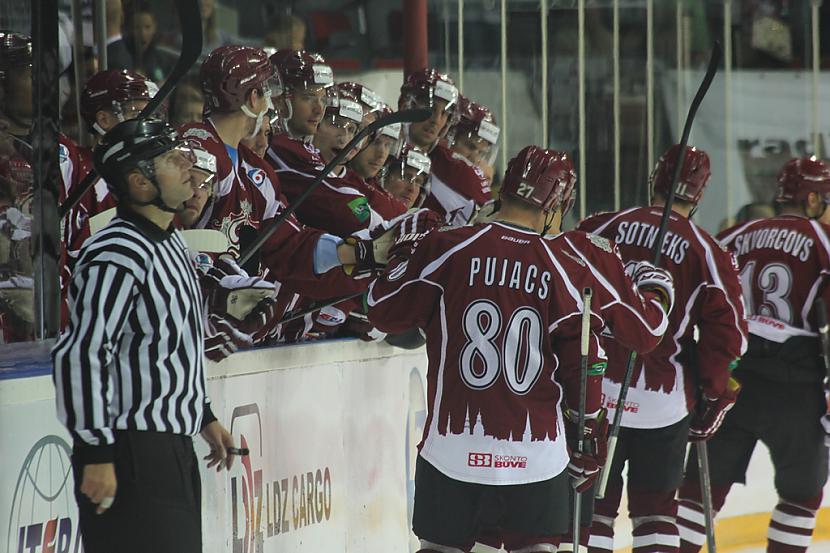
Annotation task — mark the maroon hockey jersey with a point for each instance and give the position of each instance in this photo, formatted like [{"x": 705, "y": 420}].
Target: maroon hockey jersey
[
  {"x": 336, "y": 205},
  {"x": 382, "y": 202},
  {"x": 707, "y": 296},
  {"x": 501, "y": 310},
  {"x": 457, "y": 187},
  {"x": 784, "y": 263}
]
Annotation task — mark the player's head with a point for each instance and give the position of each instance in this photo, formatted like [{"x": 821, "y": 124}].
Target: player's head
[
  {"x": 805, "y": 182},
  {"x": 15, "y": 83},
  {"x": 386, "y": 141},
  {"x": 541, "y": 180},
  {"x": 240, "y": 79},
  {"x": 476, "y": 134},
  {"x": 341, "y": 121},
  {"x": 305, "y": 77},
  {"x": 435, "y": 91},
  {"x": 203, "y": 182},
  {"x": 693, "y": 179},
  {"x": 113, "y": 96},
  {"x": 406, "y": 175},
  {"x": 144, "y": 163}
]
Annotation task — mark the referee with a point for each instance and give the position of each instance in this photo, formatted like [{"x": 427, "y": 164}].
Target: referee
[{"x": 129, "y": 369}]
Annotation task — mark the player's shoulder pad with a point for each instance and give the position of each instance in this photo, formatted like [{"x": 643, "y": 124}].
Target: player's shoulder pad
[{"x": 200, "y": 132}]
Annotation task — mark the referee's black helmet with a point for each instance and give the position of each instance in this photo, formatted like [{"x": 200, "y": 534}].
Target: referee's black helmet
[{"x": 130, "y": 146}]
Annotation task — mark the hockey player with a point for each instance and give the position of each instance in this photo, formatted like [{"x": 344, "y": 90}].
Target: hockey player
[
  {"x": 370, "y": 160},
  {"x": 503, "y": 348},
  {"x": 662, "y": 411},
  {"x": 784, "y": 263},
  {"x": 16, "y": 283},
  {"x": 458, "y": 187},
  {"x": 337, "y": 206},
  {"x": 406, "y": 176}
]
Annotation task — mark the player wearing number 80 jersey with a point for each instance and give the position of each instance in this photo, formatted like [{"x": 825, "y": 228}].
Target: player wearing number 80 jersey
[
  {"x": 500, "y": 306},
  {"x": 784, "y": 266}
]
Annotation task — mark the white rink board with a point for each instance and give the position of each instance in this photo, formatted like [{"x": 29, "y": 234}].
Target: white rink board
[
  {"x": 343, "y": 416},
  {"x": 326, "y": 422}
]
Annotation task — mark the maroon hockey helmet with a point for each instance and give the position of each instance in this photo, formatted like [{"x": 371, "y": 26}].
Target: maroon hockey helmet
[
  {"x": 543, "y": 178},
  {"x": 412, "y": 157},
  {"x": 230, "y": 73},
  {"x": 693, "y": 179},
  {"x": 300, "y": 69},
  {"x": 800, "y": 176},
  {"x": 368, "y": 98},
  {"x": 423, "y": 87},
  {"x": 477, "y": 124},
  {"x": 110, "y": 90}
]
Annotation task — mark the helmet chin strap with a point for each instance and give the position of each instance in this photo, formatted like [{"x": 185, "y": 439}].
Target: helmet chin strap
[
  {"x": 548, "y": 222},
  {"x": 157, "y": 201},
  {"x": 259, "y": 117}
]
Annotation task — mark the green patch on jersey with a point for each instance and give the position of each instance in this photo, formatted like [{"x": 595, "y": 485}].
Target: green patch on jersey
[
  {"x": 733, "y": 364},
  {"x": 597, "y": 369},
  {"x": 360, "y": 209}
]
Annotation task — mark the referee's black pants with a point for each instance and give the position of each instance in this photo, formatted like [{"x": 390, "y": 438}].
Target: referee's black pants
[{"x": 157, "y": 506}]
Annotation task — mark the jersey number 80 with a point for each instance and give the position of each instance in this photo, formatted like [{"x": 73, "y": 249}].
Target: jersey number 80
[{"x": 519, "y": 357}]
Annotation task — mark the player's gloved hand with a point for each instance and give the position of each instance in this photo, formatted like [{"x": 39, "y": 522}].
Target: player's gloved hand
[
  {"x": 649, "y": 278},
  {"x": 359, "y": 325},
  {"x": 585, "y": 466},
  {"x": 412, "y": 228},
  {"x": 223, "y": 338},
  {"x": 231, "y": 292},
  {"x": 708, "y": 417}
]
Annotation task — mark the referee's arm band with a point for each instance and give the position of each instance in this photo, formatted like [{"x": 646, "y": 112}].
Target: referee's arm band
[
  {"x": 93, "y": 454},
  {"x": 207, "y": 416}
]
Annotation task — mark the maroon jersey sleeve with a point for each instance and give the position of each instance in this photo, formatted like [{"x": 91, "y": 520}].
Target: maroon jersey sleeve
[
  {"x": 636, "y": 319},
  {"x": 457, "y": 187},
  {"x": 334, "y": 206}
]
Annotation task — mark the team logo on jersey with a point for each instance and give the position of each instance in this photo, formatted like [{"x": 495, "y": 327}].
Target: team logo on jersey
[
  {"x": 63, "y": 153},
  {"x": 360, "y": 209},
  {"x": 257, "y": 176},
  {"x": 196, "y": 132},
  {"x": 602, "y": 243}
]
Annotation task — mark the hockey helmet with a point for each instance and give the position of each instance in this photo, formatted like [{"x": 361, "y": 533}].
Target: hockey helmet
[
  {"x": 230, "y": 73},
  {"x": 15, "y": 51},
  {"x": 693, "y": 179},
  {"x": 409, "y": 157},
  {"x": 300, "y": 69},
  {"x": 133, "y": 145},
  {"x": 542, "y": 178},
  {"x": 422, "y": 88},
  {"x": 800, "y": 176},
  {"x": 476, "y": 130},
  {"x": 110, "y": 90}
]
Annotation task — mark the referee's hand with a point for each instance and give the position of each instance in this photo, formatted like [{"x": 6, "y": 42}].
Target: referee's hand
[
  {"x": 99, "y": 485},
  {"x": 219, "y": 440}
]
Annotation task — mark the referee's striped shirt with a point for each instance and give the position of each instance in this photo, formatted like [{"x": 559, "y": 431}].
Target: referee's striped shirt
[{"x": 132, "y": 357}]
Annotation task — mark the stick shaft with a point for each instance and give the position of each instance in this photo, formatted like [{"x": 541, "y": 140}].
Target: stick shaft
[
  {"x": 706, "y": 494},
  {"x": 584, "y": 345}
]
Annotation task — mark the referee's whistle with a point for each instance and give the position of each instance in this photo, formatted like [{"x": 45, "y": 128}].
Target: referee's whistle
[{"x": 237, "y": 450}]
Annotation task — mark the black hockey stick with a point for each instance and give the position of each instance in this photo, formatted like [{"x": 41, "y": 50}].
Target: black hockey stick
[
  {"x": 404, "y": 116},
  {"x": 823, "y": 332},
  {"x": 714, "y": 61},
  {"x": 580, "y": 421},
  {"x": 190, "y": 20},
  {"x": 301, "y": 312}
]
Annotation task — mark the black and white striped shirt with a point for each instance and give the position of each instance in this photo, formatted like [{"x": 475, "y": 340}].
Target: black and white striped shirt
[{"x": 132, "y": 357}]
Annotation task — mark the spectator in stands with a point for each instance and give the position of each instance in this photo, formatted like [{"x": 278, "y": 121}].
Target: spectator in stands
[
  {"x": 147, "y": 57},
  {"x": 118, "y": 57},
  {"x": 287, "y": 31},
  {"x": 212, "y": 35},
  {"x": 187, "y": 102}
]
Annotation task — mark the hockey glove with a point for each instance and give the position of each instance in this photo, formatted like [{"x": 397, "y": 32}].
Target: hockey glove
[
  {"x": 585, "y": 466},
  {"x": 710, "y": 413},
  {"x": 231, "y": 292},
  {"x": 649, "y": 278},
  {"x": 412, "y": 229}
]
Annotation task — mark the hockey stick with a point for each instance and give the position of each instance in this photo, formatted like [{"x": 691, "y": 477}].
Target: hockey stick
[
  {"x": 583, "y": 391},
  {"x": 316, "y": 306},
  {"x": 823, "y": 332},
  {"x": 190, "y": 20},
  {"x": 404, "y": 116},
  {"x": 714, "y": 61}
]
